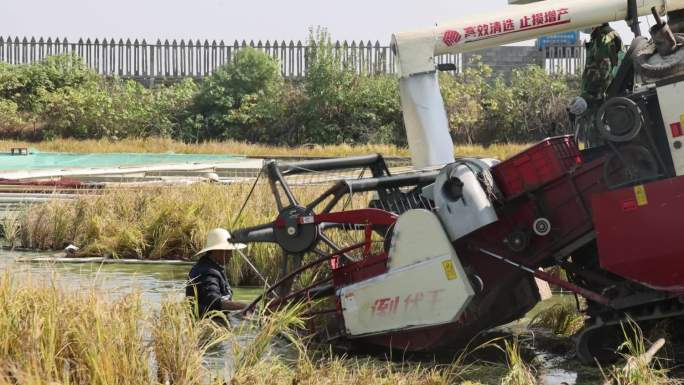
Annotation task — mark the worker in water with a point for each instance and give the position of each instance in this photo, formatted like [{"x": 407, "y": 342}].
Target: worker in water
[
  {"x": 207, "y": 281},
  {"x": 605, "y": 52}
]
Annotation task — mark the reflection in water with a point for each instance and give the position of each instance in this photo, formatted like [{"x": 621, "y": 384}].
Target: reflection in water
[{"x": 153, "y": 282}]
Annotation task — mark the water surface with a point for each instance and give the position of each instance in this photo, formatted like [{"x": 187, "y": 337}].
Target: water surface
[{"x": 153, "y": 282}]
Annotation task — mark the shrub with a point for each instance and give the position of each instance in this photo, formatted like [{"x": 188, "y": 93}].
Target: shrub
[
  {"x": 247, "y": 100},
  {"x": 466, "y": 96},
  {"x": 341, "y": 106},
  {"x": 531, "y": 106},
  {"x": 9, "y": 114},
  {"x": 238, "y": 101},
  {"x": 27, "y": 84},
  {"x": 484, "y": 108},
  {"x": 116, "y": 109}
]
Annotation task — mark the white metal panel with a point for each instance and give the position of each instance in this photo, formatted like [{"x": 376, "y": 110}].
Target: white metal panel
[
  {"x": 473, "y": 210},
  {"x": 427, "y": 129},
  {"x": 418, "y": 235},
  {"x": 426, "y": 284},
  {"x": 672, "y": 109}
]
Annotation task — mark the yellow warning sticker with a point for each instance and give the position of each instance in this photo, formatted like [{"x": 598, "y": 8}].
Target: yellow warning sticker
[
  {"x": 449, "y": 270},
  {"x": 681, "y": 119},
  {"x": 641, "y": 197}
]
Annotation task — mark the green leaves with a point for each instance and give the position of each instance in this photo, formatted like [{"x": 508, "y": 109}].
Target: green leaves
[
  {"x": 338, "y": 105},
  {"x": 248, "y": 100},
  {"x": 116, "y": 109},
  {"x": 527, "y": 105},
  {"x": 239, "y": 99}
]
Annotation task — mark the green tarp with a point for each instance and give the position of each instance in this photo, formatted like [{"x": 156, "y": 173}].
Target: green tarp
[{"x": 60, "y": 160}]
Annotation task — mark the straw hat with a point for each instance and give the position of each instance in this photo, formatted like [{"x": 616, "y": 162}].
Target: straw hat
[{"x": 218, "y": 239}]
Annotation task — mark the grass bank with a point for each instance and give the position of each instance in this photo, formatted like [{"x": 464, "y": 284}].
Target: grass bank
[{"x": 160, "y": 145}]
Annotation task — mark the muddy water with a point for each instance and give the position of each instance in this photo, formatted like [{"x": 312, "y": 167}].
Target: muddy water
[
  {"x": 158, "y": 282},
  {"x": 153, "y": 282}
]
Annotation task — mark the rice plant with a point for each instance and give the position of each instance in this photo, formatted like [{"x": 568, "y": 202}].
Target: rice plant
[
  {"x": 180, "y": 341},
  {"x": 157, "y": 223},
  {"x": 10, "y": 228},
  {"x": 50, "y": 336},
  {"x": 283, "y": 323},
  {"x": 563, "y": 319},
  {"x": 518, "y": 371},
  {"x": 641, "y": 367}
]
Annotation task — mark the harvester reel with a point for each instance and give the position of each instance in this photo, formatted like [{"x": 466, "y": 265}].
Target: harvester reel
[
  {"x": 619, "y": 120},
  {"x": 297, "y": 235}
]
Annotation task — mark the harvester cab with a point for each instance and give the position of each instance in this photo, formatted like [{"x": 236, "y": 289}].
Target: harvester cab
[{"x": 426, "y": 258}]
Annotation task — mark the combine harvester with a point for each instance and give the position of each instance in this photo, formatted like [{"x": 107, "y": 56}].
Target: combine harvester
[{"x": 454, "y": 247}]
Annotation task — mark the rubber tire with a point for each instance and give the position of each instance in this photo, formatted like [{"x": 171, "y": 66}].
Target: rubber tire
[
  {"x": 628, "y": 129},
  {"x": 599, "y": 345}
]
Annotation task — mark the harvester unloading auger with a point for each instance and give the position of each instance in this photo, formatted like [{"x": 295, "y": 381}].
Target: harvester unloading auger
[{"x": 453, "y": 247}]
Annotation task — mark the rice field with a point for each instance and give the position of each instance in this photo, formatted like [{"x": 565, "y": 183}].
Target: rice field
[
  {"x": 170, "y": 223},
  {"x": 51, "y": 335}
]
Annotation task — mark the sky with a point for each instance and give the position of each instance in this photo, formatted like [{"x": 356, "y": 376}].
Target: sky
[{"x": 229, "y": 20}]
